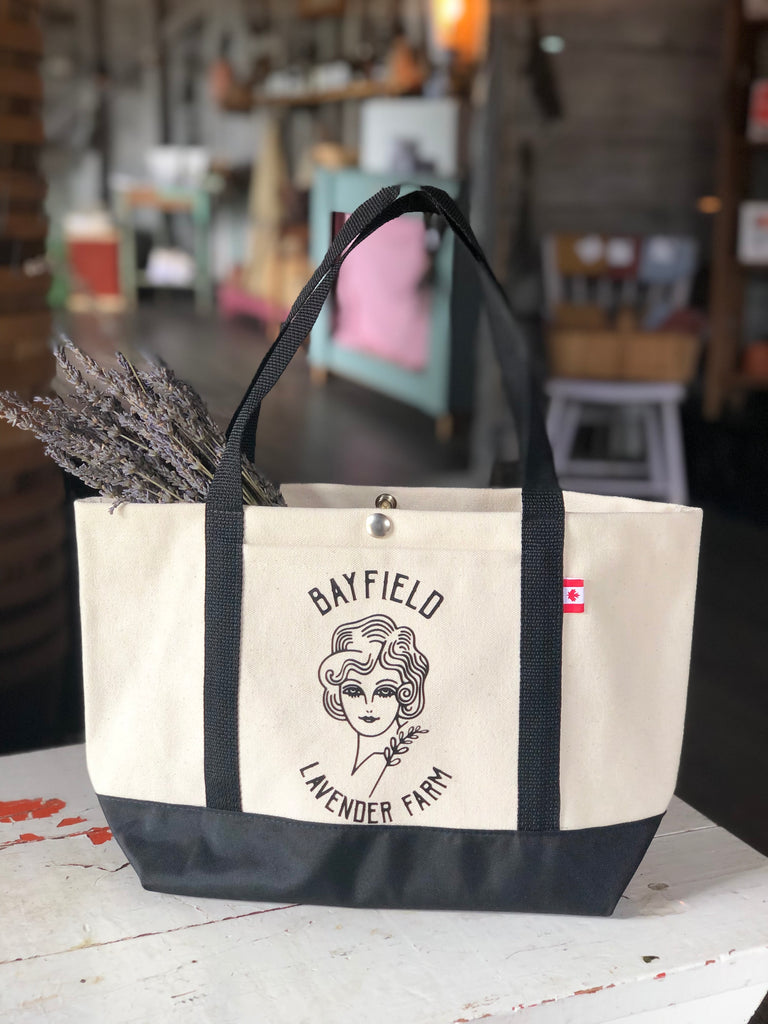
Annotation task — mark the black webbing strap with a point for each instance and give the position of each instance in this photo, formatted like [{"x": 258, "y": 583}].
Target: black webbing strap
[
  {"x": 541, "y": 632},
  {"x": 318, "y": 288},
  {"x": 361, "y": 218},
  {"x": 511, "y": 346},
  {"x": 542, "y": 530},
  {"x": 224, "y": 561}
]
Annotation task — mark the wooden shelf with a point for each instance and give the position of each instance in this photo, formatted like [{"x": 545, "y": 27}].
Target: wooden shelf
[
  {"x": 354, "y": 91},
  {"x": 747, "y": 382},
  {"x": 166, "y": 200}
]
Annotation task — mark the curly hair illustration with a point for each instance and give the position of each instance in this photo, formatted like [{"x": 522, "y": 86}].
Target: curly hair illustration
[
  {"x": 375, "y": 643},
  {"x": 373, "y": 679}
]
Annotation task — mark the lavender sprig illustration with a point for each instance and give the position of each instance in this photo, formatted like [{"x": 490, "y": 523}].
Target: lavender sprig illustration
[{"x": 397, "y": 747}]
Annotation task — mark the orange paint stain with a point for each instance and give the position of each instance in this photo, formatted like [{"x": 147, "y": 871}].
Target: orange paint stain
[
  {"x": 25, "y": 837},
  {"x": 22, "y": 810},
  {"x": 589, "y": 991},
  {"x": 66, "y": 822},
  {"x": 98, "y": 835},
  {"x": 661, "y": 974}
]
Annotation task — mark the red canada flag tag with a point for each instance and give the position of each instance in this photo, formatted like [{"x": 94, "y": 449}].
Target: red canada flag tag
[{"x": 573, "y": 595}]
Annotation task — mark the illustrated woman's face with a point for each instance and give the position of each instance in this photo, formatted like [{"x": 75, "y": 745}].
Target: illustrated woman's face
[{"x": 370, "y": 702}]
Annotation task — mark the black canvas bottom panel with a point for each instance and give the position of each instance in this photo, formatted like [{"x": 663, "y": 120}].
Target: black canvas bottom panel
[{"x": 199, "y": 851}]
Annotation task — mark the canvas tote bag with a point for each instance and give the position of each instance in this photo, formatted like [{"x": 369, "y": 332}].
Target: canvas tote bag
[{"x": 471, "y": 700}]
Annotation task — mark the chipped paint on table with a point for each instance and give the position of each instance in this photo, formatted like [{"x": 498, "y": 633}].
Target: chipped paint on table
[{"x": 82, "y": 941}]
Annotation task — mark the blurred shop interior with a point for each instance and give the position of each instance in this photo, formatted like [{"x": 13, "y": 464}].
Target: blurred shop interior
[{"x": 171, "y": 172}]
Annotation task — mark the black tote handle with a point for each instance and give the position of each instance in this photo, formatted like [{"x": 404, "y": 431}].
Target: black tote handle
[
  {"x": 365, "y": 214},
  {"x": 511, "y": 349},
  {"x": 542, "y": 528}
]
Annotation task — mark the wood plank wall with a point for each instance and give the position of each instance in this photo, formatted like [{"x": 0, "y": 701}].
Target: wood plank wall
[{"x": 636, "y": 145}]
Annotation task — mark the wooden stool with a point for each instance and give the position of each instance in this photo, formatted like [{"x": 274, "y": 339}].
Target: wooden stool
[{"x": 651, "y": 407}]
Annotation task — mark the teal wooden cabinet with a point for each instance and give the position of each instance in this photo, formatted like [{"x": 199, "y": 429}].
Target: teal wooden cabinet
[{"x": 443, "y": 385}]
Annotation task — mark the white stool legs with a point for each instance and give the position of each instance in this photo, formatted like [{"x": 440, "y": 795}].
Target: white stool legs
[
  {"x": 672, "y": 433},
  {"x": 655, "y": 409}
]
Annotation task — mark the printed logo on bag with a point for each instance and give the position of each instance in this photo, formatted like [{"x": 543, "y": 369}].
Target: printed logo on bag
[
  {"x": 573, "y": 595},
  {"x": 373, "y": 677}
]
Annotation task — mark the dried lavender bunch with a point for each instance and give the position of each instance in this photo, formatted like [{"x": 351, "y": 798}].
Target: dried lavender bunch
[{"x": 133, "y": 434}]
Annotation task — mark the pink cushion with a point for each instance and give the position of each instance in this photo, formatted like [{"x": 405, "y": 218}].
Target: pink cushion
[{"x": 380, "y": 307}]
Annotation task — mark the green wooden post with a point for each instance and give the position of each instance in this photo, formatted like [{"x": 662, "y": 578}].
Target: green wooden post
[
  {"x": 127, "y": 253},
  {"x": 201, "y": 217}
]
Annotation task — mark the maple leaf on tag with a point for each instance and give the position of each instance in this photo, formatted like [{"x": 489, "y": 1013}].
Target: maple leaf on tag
[{"x": 573, "y": 595}]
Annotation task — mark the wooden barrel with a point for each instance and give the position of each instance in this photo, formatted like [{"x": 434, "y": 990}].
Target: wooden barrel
[{"x": 35, "y": 601}]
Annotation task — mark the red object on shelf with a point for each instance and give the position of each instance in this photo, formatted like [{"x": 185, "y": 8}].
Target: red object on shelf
[
  {"x": 757, "y": 121},
  {"x": 234, "y": 300},
  {"x": 687, "y": 320},
  {"x": 754, "y": 361},
  {"x": 93, "y": 265}
]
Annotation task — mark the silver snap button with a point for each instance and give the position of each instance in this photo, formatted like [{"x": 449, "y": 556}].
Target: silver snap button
[
  {"x": 386, "y": 501},
  {"x": 378, "y": 525}
]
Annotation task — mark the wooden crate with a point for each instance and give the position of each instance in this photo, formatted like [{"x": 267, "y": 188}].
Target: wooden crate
[{"x": 623, "y": 355}]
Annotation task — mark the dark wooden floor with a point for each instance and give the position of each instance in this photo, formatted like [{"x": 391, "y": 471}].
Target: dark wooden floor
[
  {"x": 340, "y": 433},
  {"x": 348, "y": 434}
]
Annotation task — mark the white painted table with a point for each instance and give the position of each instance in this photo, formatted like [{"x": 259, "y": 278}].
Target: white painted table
[{"x": 80, "y": 940}]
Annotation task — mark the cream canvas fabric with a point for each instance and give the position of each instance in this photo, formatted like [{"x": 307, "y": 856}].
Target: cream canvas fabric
[{"x": 429, "y": 735}]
